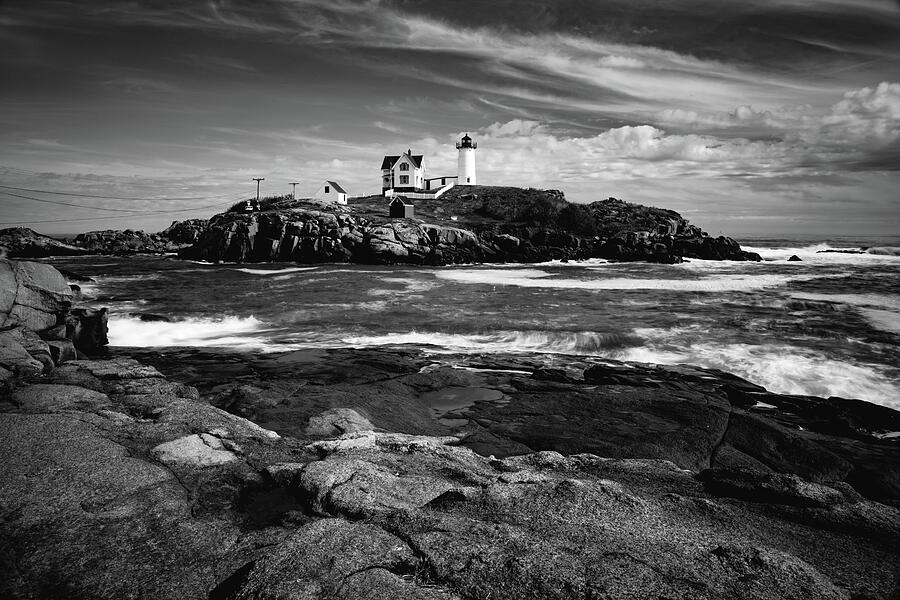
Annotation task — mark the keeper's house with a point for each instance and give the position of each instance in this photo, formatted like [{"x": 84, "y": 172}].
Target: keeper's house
[{"x": 403, "y": 173}]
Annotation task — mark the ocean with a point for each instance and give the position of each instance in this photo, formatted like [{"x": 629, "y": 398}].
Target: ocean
[{"x": 828, "y": 325}]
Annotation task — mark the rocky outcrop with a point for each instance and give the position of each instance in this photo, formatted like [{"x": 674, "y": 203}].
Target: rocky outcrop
[
  {"x": 502, "y": 225},
  {"x": 118, "y": 483},
  {"x": 496, "y": 224},
  {"x": 21, "y": 242},
  {"x": 105, "y": 494},
  {"x": 38, "y": 327},
  {"x": 506, "y": 405},
  {"x": 311, "y": 234},
  {"x": 184, "y": 233},
  {"x": 125, "y": 242}
]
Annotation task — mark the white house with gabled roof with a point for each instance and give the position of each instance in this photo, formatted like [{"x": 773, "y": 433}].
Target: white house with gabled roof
[
  {"x": 403, "y": 173},
  {"x": 331, "y": 191}
]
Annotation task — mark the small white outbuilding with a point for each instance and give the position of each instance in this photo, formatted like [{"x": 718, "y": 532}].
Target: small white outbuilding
[{"x": 331, "y": 191}]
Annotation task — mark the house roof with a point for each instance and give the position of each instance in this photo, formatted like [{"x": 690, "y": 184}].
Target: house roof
[
  {"x": 337, "y": 187},
  {"x": 389, "y": 161},
  {"x": 401, "y": 200}
]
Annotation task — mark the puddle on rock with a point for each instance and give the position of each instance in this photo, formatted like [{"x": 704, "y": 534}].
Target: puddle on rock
[{"x": 456, "y": 398}]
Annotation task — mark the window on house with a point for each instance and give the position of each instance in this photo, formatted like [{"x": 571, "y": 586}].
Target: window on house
[
  {"x": 468, "y": 179},
  {"x": 327, "y": 190},
  {"x": 404, "y": 167},
  {"x": 404, "y": 179}
]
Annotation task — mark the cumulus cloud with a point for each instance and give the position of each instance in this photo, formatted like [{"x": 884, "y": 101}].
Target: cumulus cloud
[
  {"x": 869, "y": 116},
  {"x": 516, "y": 127},
  {"x": 864, "y": 123}
]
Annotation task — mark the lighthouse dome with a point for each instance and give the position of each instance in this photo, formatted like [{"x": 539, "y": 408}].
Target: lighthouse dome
[{"x": 466, "y": 142}]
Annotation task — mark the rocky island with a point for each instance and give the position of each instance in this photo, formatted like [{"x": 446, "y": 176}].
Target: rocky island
[
  {"x": 385, "y": 473},
  {"x": 468, "y": 224}
]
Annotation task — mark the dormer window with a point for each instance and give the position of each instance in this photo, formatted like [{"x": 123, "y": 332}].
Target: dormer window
[{"x": 404, "y": 167}]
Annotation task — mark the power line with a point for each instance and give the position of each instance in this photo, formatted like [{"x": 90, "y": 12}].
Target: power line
[
  {"x": 162, "y": 212},
  {"x": 21, "y": 189},
  {"x": 125, "y": 210},
  {"x": 158, "y": 212}
]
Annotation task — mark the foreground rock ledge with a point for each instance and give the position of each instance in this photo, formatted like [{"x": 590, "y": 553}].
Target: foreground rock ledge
[{"x": 118, "y": 483}]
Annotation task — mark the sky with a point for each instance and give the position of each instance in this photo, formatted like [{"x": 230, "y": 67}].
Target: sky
[{"x": 757, "y": 117}]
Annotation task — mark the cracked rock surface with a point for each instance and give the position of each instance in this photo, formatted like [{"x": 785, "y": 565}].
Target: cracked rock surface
[{"x": 119, "y": 482}]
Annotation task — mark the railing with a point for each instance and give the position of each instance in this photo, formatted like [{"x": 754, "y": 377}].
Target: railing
[{"x": 430, "y": 195}]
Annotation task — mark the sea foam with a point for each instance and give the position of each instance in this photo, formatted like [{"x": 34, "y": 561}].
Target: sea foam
[
  {"x": 547, "y": 342},
  {"x": 276, "y": 271},
  {"x": 779, "y": 368},
  {"x": 533, "y": 278},
  {"x": 227, "y": 331},
  {"x": 882, "y": 311},
  {"x": 826, "y": 253}
]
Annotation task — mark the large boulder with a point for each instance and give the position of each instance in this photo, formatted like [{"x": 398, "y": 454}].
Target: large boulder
[
  {"x": 37, "y": 324},
  {"x": 34, "y": 295}
]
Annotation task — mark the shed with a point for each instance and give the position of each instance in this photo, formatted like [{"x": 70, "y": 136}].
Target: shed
[
  {"x": 400, "y": 209},
  {"x": 331, "y": 191}
]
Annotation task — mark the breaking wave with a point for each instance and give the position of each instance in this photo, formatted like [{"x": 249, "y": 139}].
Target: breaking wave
[
  {"x": 779, "y": 368},
  {"x": 882, "y": 311},
  {"x": 826, "y": 253},
  {"x": 276, "y": 271},
  {"x": 546, "y": 342},
  {"x": 782, "y": 369},
  {"x": 533, "y": 278},
  {"x": 244, "y": 332},
  {"x": 884, "y": 251}
]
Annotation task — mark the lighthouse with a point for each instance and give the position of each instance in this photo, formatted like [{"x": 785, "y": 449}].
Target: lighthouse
[{"x": 466, "y": 171}]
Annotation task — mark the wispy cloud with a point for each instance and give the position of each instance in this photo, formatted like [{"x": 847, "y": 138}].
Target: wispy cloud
[{"x": 696, "y": 99}]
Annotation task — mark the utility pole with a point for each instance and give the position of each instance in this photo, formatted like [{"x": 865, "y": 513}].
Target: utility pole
[
  {"x": 294, "y": 190},
  {"x": 257, "y": 180}
]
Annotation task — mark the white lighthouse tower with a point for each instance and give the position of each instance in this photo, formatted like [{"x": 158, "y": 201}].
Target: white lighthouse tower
[{"x": 466, "y": 170}]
